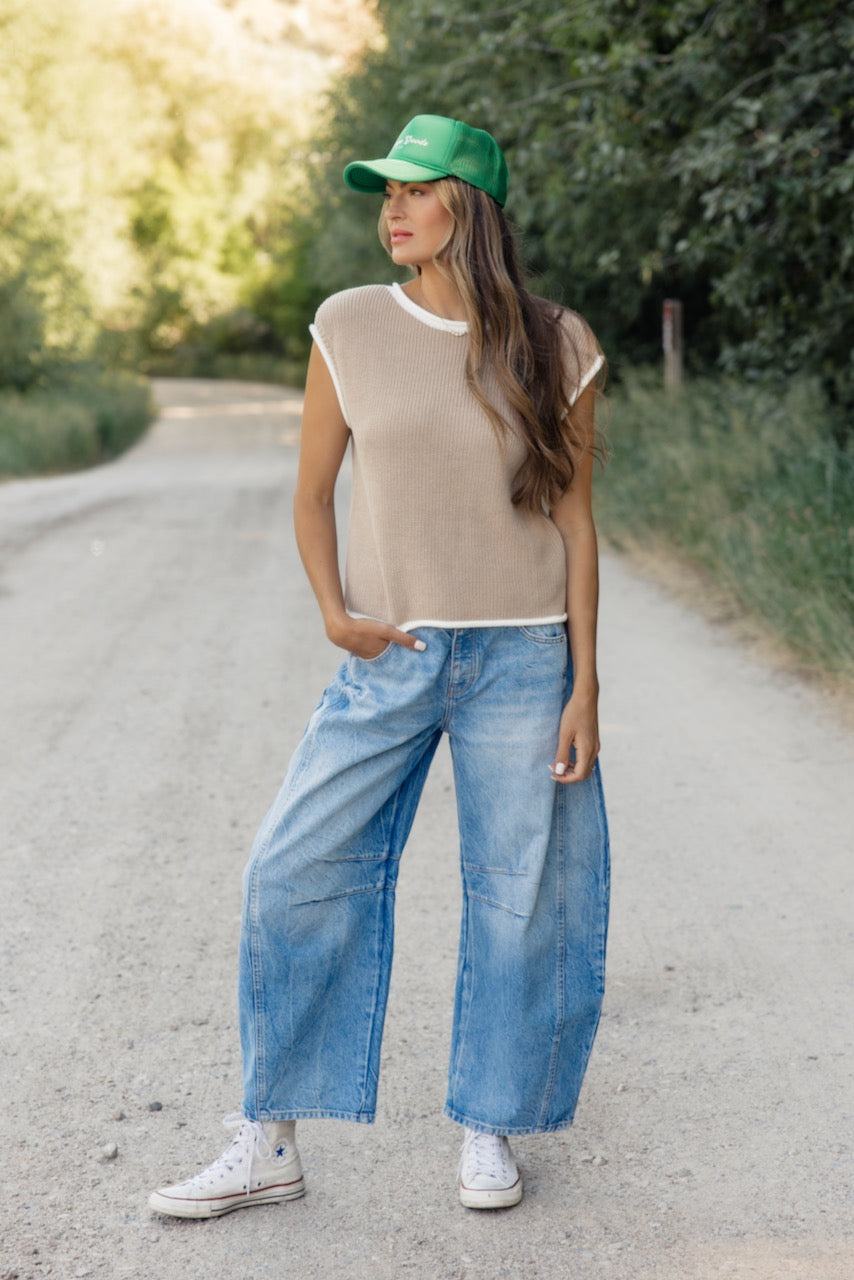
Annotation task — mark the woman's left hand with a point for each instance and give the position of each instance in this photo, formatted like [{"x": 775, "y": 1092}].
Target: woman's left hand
[{"x": 578, "y": 739}]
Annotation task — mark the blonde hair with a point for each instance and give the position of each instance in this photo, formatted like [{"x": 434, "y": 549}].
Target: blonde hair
[{"x": 515, "y": 336}]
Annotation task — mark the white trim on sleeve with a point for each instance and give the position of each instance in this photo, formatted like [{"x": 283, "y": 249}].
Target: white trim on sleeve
[
  {"x": 589, "y": 376},
  {"x": 333, "y": 373}
]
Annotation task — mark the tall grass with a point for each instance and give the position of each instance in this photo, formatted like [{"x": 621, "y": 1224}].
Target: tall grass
[
  {"x": 85, "y": 417},
  {"x": 750, "y": 486}
]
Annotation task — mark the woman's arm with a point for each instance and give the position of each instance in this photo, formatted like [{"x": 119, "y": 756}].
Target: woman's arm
[
  {"x": 573, "y": 515},
  {"x": 323, "y": 443}
]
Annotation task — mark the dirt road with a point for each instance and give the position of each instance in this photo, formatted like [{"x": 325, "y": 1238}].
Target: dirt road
[{"x": 160, "y": 655}]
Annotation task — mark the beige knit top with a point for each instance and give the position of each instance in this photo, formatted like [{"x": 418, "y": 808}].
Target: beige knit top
[{"x": 434, "y": 538}]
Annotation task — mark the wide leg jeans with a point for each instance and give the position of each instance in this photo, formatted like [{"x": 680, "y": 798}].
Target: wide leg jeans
[{"x": 318, "y": 915}]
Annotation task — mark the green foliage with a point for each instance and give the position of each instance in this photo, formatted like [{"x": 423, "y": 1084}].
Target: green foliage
[
  {"x": 145, "y": 167},
  {"x": 682, "y": 150},
  {"x": 765, "y": 177},
  {"x": 45, "y": 318},
  {"x": 287, "y": 294},
  {"x": 22, "y": 336},
  {"x": 238, "y": 344},
  {"x": 750, "y": 486},
  {"x": 84, "y": 418}
]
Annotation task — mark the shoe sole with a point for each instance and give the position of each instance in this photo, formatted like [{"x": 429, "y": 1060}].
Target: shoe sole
[
  {"x": 218, "y": 1206},
  {"x": 505, "y": 1198}
]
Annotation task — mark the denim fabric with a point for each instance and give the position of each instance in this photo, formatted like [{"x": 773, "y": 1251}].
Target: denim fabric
[{"x": 318, "y": 916}]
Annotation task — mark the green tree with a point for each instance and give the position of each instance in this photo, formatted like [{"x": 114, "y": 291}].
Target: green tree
[
  {"x": 687, "y": 149},
  {"x": 45, "y": 313},
  {"x": 157, "y": 138}
]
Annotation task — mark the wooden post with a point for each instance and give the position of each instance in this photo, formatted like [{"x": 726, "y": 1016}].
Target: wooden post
[{"x": 671, "y": 340}]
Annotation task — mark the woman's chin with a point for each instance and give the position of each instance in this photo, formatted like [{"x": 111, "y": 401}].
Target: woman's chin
[{"x": 404, "y": 256}]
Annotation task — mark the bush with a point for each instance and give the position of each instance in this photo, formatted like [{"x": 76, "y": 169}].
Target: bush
[
  {"x": 751, "y": 486},
  {"x": 188, "y": 361},
  {"x": 237, "y": 344},
  {"x": 22, "y": 337},
  {"x": 86, "y": 418}
]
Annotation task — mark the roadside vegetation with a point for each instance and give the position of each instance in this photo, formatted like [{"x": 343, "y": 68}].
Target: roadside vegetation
[
  {"x": 749, "y": 486},
  {"x": 94, "y": 416}
]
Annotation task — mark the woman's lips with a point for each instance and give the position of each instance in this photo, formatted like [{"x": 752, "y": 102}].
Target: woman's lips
[{"x": 400, "y": 235}]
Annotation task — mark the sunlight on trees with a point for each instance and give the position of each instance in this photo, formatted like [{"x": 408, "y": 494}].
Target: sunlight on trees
[{"x": 147, "y": 151}]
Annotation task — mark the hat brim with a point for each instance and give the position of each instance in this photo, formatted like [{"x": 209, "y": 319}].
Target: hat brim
[{"x": 370, "y": 176}]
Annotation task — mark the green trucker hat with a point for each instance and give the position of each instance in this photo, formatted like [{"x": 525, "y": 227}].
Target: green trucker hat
[{"x": 432, "y": 147}]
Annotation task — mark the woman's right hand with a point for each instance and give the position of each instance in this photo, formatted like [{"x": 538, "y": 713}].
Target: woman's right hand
[{"x": 367, "y": 637}]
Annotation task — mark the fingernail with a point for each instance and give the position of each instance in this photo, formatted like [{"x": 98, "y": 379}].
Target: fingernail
[
  {"x": 419, "y": 645},
  {"x": 560, "y": 768}
]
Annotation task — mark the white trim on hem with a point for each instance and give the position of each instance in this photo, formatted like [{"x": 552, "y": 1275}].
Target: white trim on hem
[{"x": 467, "y": 622}]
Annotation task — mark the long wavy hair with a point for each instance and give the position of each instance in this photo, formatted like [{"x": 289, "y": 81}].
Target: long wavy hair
[{"x": 516, "y": 337}]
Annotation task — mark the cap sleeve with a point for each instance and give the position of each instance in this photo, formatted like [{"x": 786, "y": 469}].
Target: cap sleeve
[
  {"x": 323, "y": 331},
  {"x": 583, "y": 357}
]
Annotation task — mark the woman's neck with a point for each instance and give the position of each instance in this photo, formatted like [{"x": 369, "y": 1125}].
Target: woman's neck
[{"x": 436, "y": 293}]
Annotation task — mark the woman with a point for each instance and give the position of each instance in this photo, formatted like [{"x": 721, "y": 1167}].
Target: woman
[{"x": 471, "y": 563}]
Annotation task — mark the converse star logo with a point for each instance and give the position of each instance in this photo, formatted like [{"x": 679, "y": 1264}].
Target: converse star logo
[{"x": 280, "y": 1151}]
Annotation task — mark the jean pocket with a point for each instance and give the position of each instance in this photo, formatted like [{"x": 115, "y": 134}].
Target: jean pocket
[
  {"x": 546, "y": 633},
  {"x": 379, "y": 657}
]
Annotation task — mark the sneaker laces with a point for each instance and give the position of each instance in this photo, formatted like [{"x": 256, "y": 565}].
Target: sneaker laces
[
  {"x": 249, "y": 1140},
  {"x": 486, "y": 1154}
]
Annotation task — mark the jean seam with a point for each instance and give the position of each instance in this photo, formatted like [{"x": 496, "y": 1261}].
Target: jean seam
[
  {"x": 466, "y": 981},
  {"x": 602, "y": 819},
  {"x": 499, "y": 906},
  {"x": 379, "y": 941},
  {"x": 253, "y": 908},
  {"x": 510, "y": 1130},
  {"x": 544, "y": 640},
  {"x": 392, "y": 853},
  {"x": 310, "y": 1113},
  {"x": 494, "y": 871},
  {"x": 586, "y": 1047},
  {"x": 260, "y": 1073},
  {"x": 453, "y": 694},
  {"x": 380, "y": 936},
  {"x": 560, "y": 975},
  {"x": 344, "y": 893},
  {"x": 605, "y": 889}
]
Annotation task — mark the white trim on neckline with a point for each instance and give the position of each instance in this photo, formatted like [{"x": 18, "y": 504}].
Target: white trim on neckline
[{"x": 425, "y": 316}]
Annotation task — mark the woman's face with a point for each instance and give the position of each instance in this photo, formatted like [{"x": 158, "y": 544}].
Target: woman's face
[{"x": 418, "y": 223}]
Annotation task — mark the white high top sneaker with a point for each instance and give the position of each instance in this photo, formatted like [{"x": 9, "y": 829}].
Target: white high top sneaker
[
  {"x": 488, "y": 1176},
  {"x": 261, "y": 1166}
]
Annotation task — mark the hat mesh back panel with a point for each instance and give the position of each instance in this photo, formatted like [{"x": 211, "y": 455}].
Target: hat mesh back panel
[{"x": 468, "y": 158}]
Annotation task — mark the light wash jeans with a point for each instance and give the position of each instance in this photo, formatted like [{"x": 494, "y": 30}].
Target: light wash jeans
[{"x": 319, "y": 889}]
